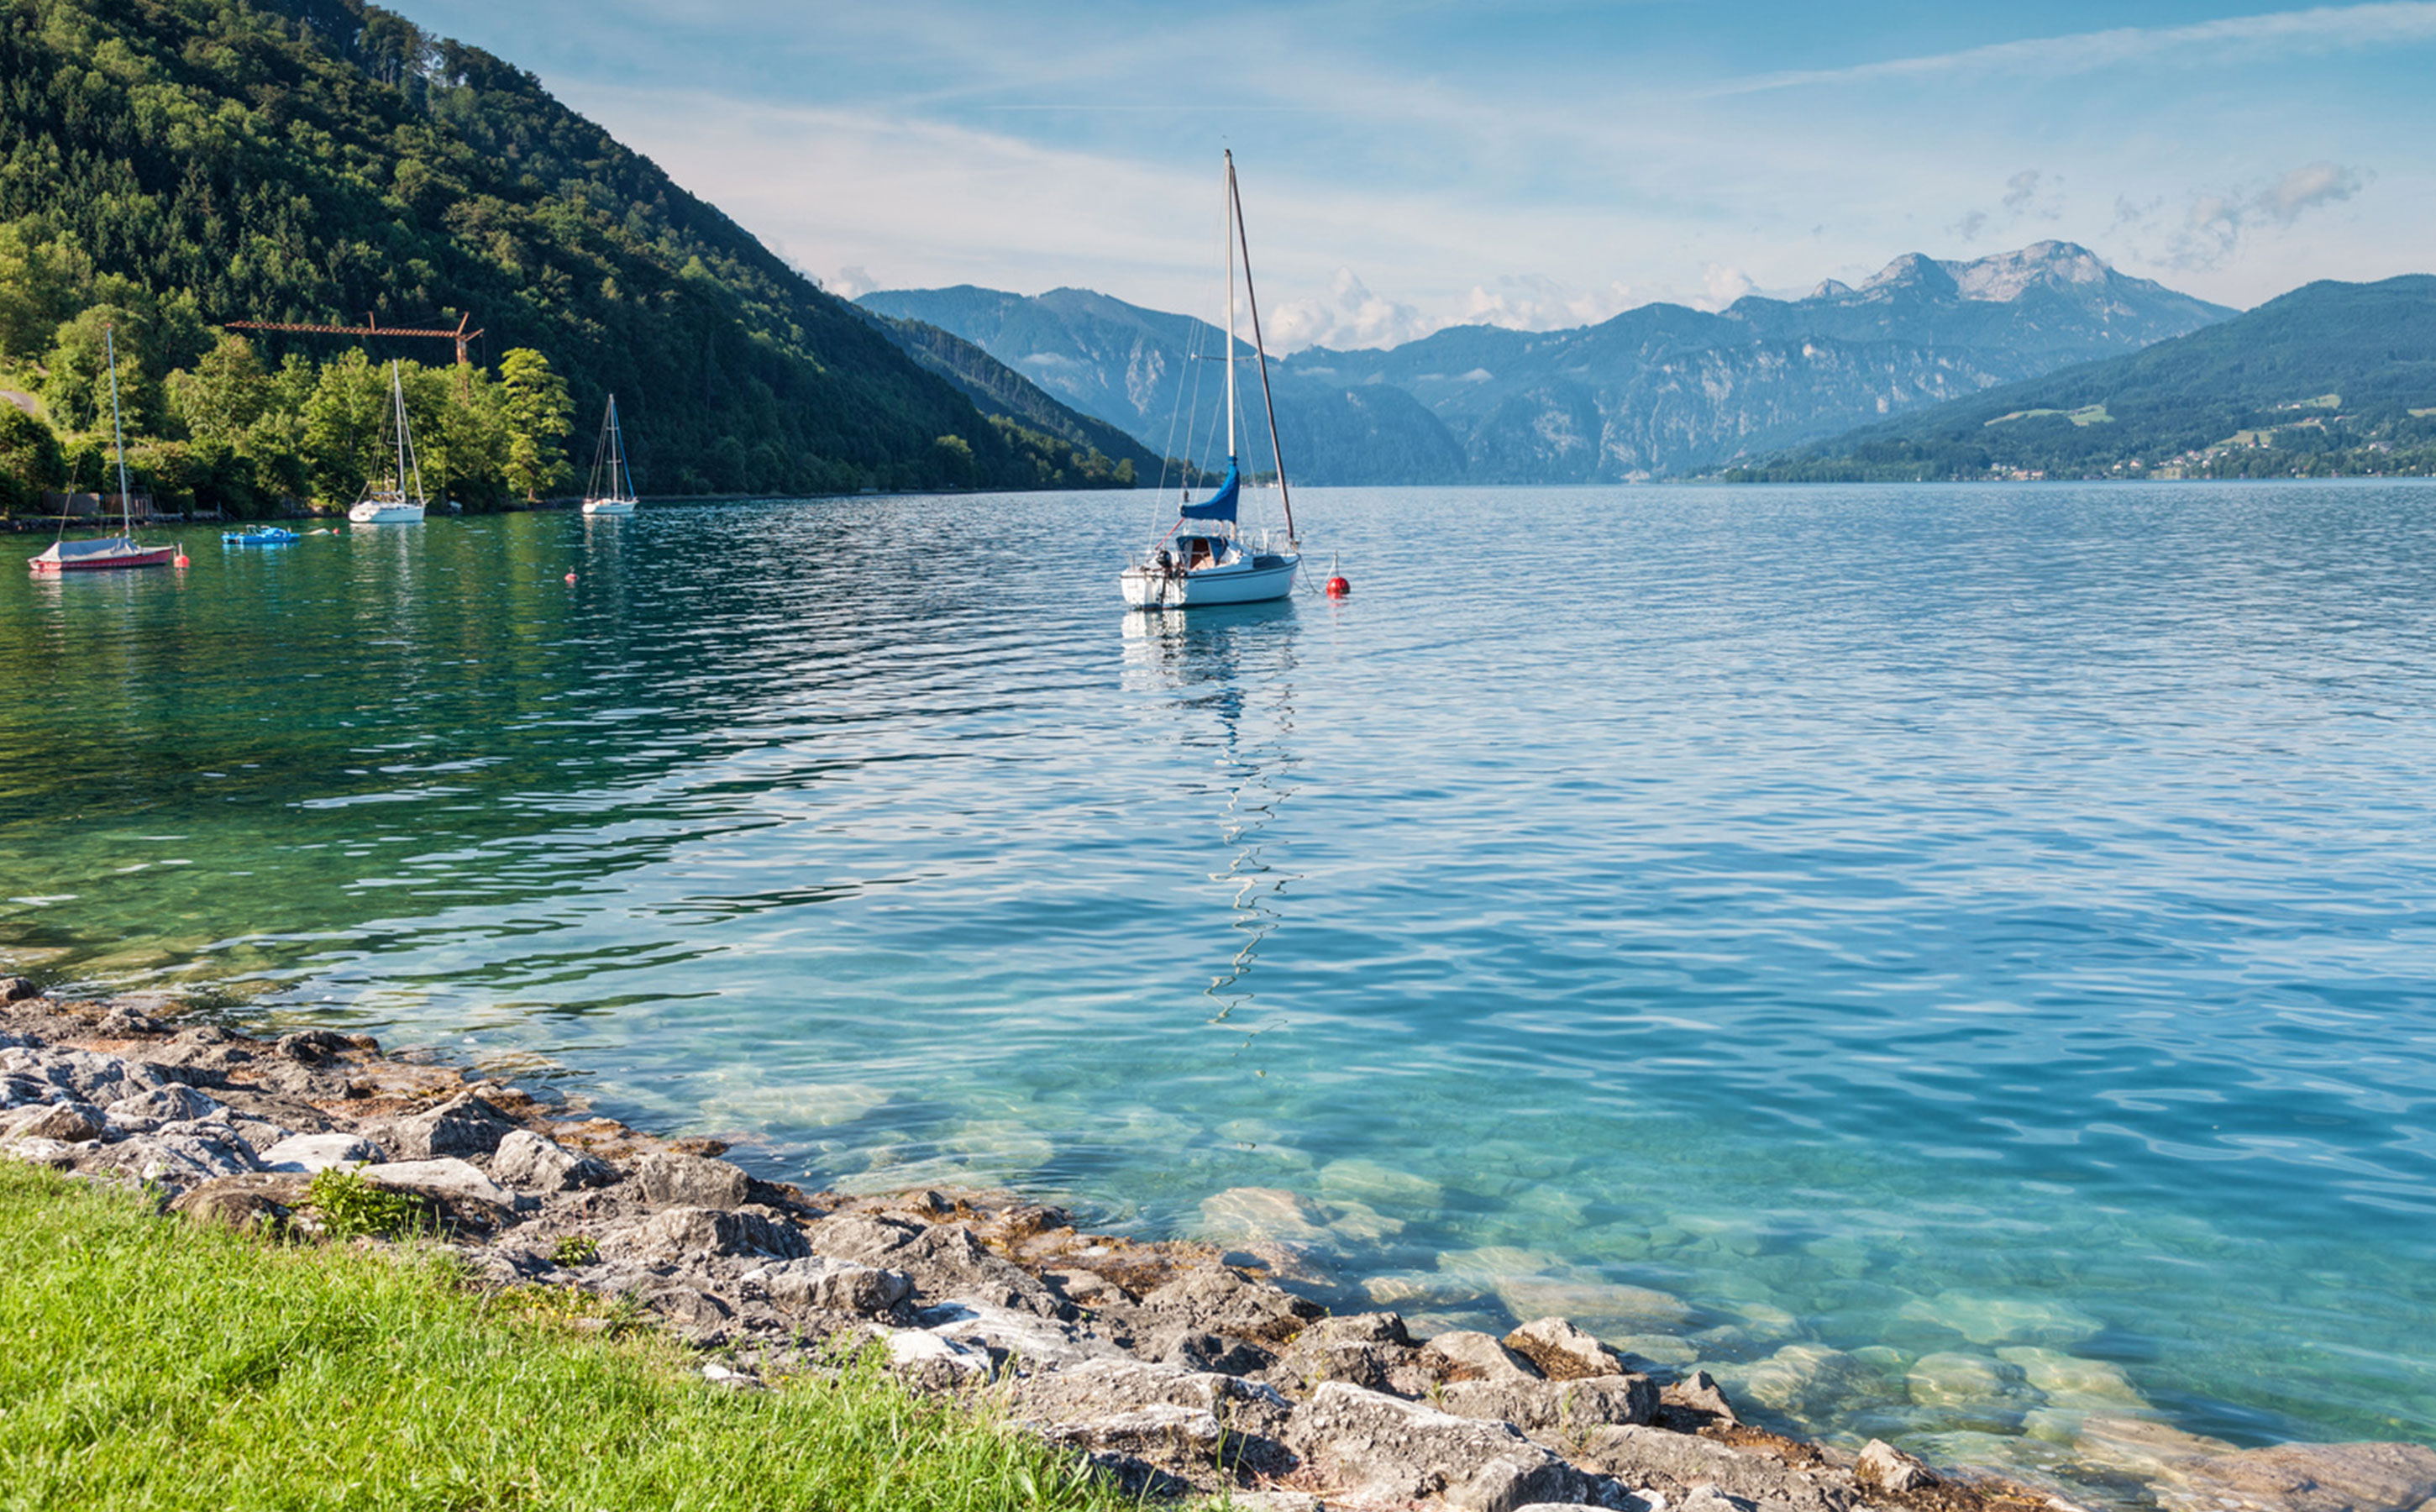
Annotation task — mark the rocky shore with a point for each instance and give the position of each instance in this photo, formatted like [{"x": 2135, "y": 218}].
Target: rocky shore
[{"x": 1179, "y": 1368}]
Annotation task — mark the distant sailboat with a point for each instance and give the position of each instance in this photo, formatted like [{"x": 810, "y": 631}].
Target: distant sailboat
[
  {"x": 119, "y": 551},
  {"x": 1203, "y": 558},
  {"x": 392, "y": 504},
  {"x": 610, "y": 454}
]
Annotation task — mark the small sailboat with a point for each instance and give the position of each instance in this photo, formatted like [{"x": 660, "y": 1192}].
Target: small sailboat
[
  {"x": 1204, "y": 558},
  {"x": 121, "y": 551},
  {"x": 610, "y": 454},
  {"x": 392, "y": 504}
]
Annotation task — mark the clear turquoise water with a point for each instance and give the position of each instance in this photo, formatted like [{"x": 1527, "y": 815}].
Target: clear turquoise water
[{"x": 1916, "y": 922}]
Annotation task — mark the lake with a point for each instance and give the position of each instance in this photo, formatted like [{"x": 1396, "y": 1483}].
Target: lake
[{"x": 1950, "y": 960}]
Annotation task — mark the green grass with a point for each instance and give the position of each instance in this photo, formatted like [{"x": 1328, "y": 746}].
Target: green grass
[{"x": 154, "y": 1364}]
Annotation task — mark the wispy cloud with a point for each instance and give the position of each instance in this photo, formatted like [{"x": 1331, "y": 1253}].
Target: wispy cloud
[
  {"x": 2320, "y": 28},
  {"x": 2215, "y": 224}
]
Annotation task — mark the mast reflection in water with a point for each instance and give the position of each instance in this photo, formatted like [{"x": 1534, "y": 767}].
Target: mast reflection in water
[{"x": 1229, "y": 672}]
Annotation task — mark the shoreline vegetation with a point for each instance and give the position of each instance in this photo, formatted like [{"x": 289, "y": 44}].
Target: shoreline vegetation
[{"x": 342, "y": 1278}]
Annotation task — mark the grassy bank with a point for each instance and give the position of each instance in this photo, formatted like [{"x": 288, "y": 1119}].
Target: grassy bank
[{"x": 151, "y": 1363}]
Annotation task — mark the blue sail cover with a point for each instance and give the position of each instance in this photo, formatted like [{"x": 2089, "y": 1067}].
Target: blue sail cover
[{"x": 1218, "y": 506}]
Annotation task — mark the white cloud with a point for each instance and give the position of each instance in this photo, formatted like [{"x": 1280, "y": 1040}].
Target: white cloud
[
  {"x": 1349, "y": 315},
  {"x": 2216, "y": 225},
  {"x": 853, "y": 281},
  {"x": 1723, "y": 286},
  {"x": 2305, "y": 188}
]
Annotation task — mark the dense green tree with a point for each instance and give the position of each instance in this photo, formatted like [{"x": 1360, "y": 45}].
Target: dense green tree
[
  {"x": 534, "y": 401},
  {"x": 225, "y": 394},
  {"x": 29, "y": 459}
]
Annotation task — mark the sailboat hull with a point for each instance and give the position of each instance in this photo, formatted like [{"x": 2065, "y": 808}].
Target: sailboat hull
[
  {"x": 608, "y": 505},
  {"x": 377, "y": 512},
  {"x": 100, "y": 556},
  {"x": 1149, "y": 588}
]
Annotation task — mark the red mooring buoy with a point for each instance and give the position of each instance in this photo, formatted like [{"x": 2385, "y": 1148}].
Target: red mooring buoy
[
  {"x": 180, "y": 560},
  {"x": 1338, "y": 587},
  {"x": 570, "y": 577}
]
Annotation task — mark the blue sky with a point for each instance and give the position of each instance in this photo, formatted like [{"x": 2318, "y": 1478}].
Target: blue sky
[{"x": 1539, "y": 163}]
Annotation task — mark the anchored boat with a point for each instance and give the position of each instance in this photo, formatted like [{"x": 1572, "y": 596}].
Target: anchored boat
[
  {"x": 610, "y": 454},
  {"x": 391, "y": 504},
  {"x": 121, "y": 551},
  {"x": 1205, "y": 557}
]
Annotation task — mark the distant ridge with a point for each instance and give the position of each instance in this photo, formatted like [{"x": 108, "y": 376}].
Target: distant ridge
[
  {"x": 1659, "y": 391},
  {"x": 2330, "y": 379}
]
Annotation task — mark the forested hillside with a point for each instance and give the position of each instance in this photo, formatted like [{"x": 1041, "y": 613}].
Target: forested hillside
[
  {"x": 2330, "y": 379},
  {"x": 191, "y": 162}
]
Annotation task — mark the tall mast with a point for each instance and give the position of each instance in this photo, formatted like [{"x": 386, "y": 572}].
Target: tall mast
[
  {"x": 397, "y": 400},
  {"x": 118, "y": 436},
  {"x": 1259, "y": 349},
  {"x": 1229, "y": 228}
]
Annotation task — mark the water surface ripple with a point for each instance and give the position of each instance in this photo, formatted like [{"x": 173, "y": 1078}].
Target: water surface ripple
[{"x": 1992, "y": 923}]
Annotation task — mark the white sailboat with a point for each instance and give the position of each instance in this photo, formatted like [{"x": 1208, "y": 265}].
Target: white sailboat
[
  {"x": 611, "y": 454},
  {"x": 121, "y": 551},
  {"x": 392, "y": 504},
  {"x": 1204, "y": 558}
]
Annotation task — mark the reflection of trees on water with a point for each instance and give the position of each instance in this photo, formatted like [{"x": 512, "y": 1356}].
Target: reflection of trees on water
[{"x": 1237, "y": 665}]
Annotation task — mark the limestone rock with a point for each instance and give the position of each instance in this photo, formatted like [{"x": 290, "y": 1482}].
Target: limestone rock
[
  {"x": 175, "y": 1103},
  {"x": 256, "y": 1200},
  {"x": 1183, "y": 1345},
  {"x": 2306, "y": 1478},
  {"x": 84, "y": 1075},
  {"x": 531, "y": 1162},
  {"x": 1371, "y": 1349},
  {"x": 1885, "y": 1469},
  {"x": 1105, "y": 1389},
  {"x": 68, "y": 1123},
  {"x": 1544, "y": 1407},
  {"x": 1695, "y": 1403},
  {"x": 17, "y": 989},
  {"x": 676, "y": 1236},
  {"x": 669, "y": 1180},
  {"x": 310, "y": 1152},
  {"x": 311, "y": 1046},
  {"x": 177, "y": 1155},
  {"x": 127, "y": 1023},
  {"x": 1467, "y": 1354},
  {"x": 932, "y": 1363},
  {"x": 1221, "y": 1301},
  {"x": 945, "y": 1259},
  {"x": 1145, "y": 1449},
  {"x": 1013, "y": 1338},
  {"x": 1382, "y": 1447},
  {"x": 464, "y": 1125},
  {"x": 834, "y": 1285},
  {"x": 696, "y": 1313},
  {"x": 447, "y": 1180},
  {"x": 1675, "y": 1464},
  {"x": 1562, "y": 1351}
]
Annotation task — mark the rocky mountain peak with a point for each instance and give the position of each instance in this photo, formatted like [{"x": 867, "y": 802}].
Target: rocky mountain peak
[
  {"x": 1911, "y": 272},
  {"x": 2002, "y": 277}
]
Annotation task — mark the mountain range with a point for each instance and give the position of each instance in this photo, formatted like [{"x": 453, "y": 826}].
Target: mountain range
[
  {"x": 2331, "y": 378},
  {"x": 1659, "y": 391}
]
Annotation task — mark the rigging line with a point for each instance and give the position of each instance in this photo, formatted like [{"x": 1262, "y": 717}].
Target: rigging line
[{"x": 1235, "y": 197}]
